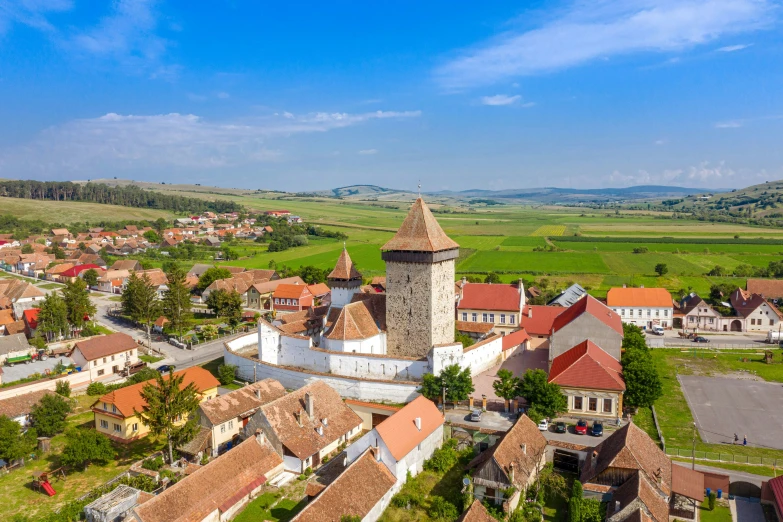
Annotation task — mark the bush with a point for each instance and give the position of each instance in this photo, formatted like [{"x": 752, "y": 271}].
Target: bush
[
  {"x": 84, "y": 447},
  {"x": 592, "y": 510},
  {"x": 574, "y": 511},
  {"x": 226, "y": 373},
  {"x": 441, "y": 509},
  {"x": 204, "y": 459},
  {"x": 711, "y": 500},
  {"x": 63, "y": 388},
  {"x": 95, "y": 389},
  {"x": 442, "y": 459},
  {"x": 153, "y": 464}
]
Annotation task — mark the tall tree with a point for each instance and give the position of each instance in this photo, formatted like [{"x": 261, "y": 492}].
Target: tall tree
[
  {"x": 506, "y": 385},
  {"x": 77, "y": 301},
  {"x": 140, "y": 302},
  {"x": 642, "y": 383},
  {"x": 545, "y": 398},
  {"x": 176, "y": 300},
  {"x": 211, "y": 275},
  {"x": 227, "y": 305},
  {"x": 14, "y": 443},
  {"x": 168, "y": 404},
  {"x": 48, "y": 416},
  {"x": 91, "y": 277},
  {"x": 53, "y": 317}
]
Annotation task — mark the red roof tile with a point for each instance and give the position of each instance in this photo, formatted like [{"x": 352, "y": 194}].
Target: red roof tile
[
  {"x": 649, "y": 297},
  {"x": 776, "y": 484},
  {"x": 420, "y": 232},
  {"x": 286, "y": 291},
  {"x": 399, "y": 431},
  {"x": 31, "y": 317},
  {"x": 587, "y": 366},
  {"x": 514, "y": 339},
  {"x": 76, "y": 270},
  {"x": 538, "y": 319},
  {"x": 595, "y": 308},
  {"x": 483, "y": 296}
]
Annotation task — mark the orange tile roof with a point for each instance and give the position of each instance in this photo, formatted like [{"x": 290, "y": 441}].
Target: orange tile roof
[
  {"x": 420, "y": 232},
  {"x": 645, "y": 297},
  {"x": 538, "y": 319},
  {"x": 687, "y": 482},
  {"x": 476, "y": 513},
  {"x": 399, "y": 431},
  {"x": 768, "y": 288},
  {"x": 318, "y": 289},
  {"x": 468, "y": 326},
  {"x": 515, "y": 339},
  {"x": 128, "y": 400},
  {"x": 344, "y": 269},
  {"x": 586, "y": 365},
  {"x": 353, "y": 322},
  {"x": 6, "y": 317},
  {"x": 286, "y": 291},
  {"x": 484, "y": 296},
  {"x": 592, "y": 306}
]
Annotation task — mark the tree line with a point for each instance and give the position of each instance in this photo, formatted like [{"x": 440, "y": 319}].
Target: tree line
[{"x": 128, "y": 196}]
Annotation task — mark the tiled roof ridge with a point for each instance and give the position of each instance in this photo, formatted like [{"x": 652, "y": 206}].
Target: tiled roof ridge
[{"x": 420, "y": 231}]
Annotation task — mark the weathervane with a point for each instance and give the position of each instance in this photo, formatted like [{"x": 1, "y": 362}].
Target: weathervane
[{"x": 419, "y": 188}]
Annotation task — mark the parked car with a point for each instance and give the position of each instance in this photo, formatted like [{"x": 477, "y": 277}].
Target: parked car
[
  {"x": 560, "y": 427},
  {"x": 598, "y": 429},
  {"x": 475, "y": 415},
  {"x": 543, "y": 425},
  {"x": 581, "y": 427},
  {"x": 700, "y": 339},
  {"x": 657, "y": 330},
  {"x": 165, "y": 368}
]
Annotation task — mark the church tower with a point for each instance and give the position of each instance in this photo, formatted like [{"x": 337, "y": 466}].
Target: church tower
[
  {"x": 419, "y": 285},
  {"x": 344, "y": 280}
]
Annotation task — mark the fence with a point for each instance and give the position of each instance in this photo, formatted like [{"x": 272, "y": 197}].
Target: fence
[
  {"x": 724, "y": 457},
  {"x": 676, "y": 343},
  {"x": 658, "y": 428}
]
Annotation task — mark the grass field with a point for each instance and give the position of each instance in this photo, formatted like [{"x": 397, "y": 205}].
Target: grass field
[{"x": 71, "y": 211}]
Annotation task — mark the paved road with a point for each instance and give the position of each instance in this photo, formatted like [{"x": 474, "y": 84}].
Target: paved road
[{"x": 744, "y": 511}]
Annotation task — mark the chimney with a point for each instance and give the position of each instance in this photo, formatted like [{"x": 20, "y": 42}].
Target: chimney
[
  {"x": 624, "y": 286},
  {"x": 417, "y": 421},
  {"x": 522, "y": 298},
  {"x": 258, "y": 393},
  {"x": 529, "y": 312},
  {"x": 309, "y": 404},
  {"x": 260, "y": 437}
]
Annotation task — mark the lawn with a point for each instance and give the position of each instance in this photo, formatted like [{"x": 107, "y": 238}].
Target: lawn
[
  {"x": 50, "y": 286},
  {"x": 719, "y": 514},
  {"x": 150, "y": 359},
  {"x": 270, "y": 507},
  {"x": 534, "y": 262}
]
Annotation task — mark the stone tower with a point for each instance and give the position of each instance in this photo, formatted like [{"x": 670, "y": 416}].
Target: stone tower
[
  {"x": 419, "y": 285},
  {"x": 344, "y": 280}
]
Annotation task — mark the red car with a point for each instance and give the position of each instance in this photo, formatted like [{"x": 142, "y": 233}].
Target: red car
[{"x": 581, "y": 428}]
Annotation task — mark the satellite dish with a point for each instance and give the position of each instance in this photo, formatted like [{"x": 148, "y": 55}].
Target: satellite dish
[{"x": 466, "y": 481}]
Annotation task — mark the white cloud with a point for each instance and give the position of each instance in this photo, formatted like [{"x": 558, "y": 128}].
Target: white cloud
[
  {"x": 223, "y": 95},
  {"x": 32, "y": 13},
  {"x": 732, "y": 48},
  {"x": 500, "y": 99},
  {"x": 587, "y": 31},
  {"x": 169, "y": 140},
  {"x": 368, "y": 152},
  {"x": 661, "y": 142},
  {"x": 718, "y": 175},
  {"x": 729, "y": 124}
]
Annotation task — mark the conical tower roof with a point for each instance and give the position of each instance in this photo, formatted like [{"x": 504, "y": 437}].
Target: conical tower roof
[
  {"x": 420, "y": 232},
  {"x": 344, "y": 268}
]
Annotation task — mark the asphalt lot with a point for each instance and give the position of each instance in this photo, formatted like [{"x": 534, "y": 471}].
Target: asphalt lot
[
  {"x": 723, "y": 406},
  {"x": 20, "y": 371}
]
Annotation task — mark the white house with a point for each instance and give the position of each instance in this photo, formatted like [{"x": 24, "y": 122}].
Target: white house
[
  {"x": 105, "y": 355},
  {"x": 644, "y": 307},
  {"x": 18, "y": 408},
  {"x": 755, "y": 313}
]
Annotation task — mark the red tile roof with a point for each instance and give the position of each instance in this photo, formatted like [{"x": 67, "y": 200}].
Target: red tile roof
[
  {"x": 587, "y": 366},
  {"x": 687, "y": 482},
  {"x": 776, "y": 484},
  {"x": 286, "y": 291},
  {"x": 76, "y": 270},
  {"x": 105, "y": 345},
  {"x": 538, "y": 319},
  {"x": 595, "y": 308},
  {"x": 399, "y": 431},
  {"x": 344, "y": 269},
  {"x": 318, "y": 289},
  {"x": 515, "y": 339},
  {"x": 31, "y": 317},
  {"x": 645, "y": 297},
  {"x": 483, "y": 296}
]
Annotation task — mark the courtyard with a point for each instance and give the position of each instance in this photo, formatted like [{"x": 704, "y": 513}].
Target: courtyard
[{"x": 517, "y": 364}]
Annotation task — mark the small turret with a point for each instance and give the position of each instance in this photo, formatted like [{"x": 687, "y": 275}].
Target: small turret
[{"x": 344, "y": 280}]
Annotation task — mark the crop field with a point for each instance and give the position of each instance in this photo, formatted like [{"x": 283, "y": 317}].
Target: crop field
[
  {"x": 73, "y": 211},
  {"x": 549, "y": 230},
  {"x": 534, "y": 262}
]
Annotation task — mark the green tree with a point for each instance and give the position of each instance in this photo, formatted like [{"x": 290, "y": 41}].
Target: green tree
[
  {"x": 661, "y": 269},
  {"x": 91, "y": 277},
  {"x": 544, "y": 397},
  {"x": 442, "y": 510},
  {"x": 168, "y": 403},
  {"x": 633, "y": 337},
  {"x": 226, "y": 304},
  {"x": 350, "y": 518},
  {"x": 27, "y": 248},
  {"x": 642, "y": 383},
  {"x": 458, "y": 384},
  {"x": 48, "y": 416},
  {"x": 151, "y": 236},
  {"x": 58, "y": 252},
  {"x": 140, "y": 302},
  {"x": 227, "y": 373},
  {"x": 176, "y": 300},
  {"x": 430, "y": 387},
  {"x": 14, "y": 443},
  {"x": 312, "y": 275},
  {"x": 493, "y": 278},
  {"x": 211, "y": 275},
  {"x": 465, "y": 339},
  {"x": 63, "y": 388},
  {"x": 77, "y": 301},
  {"x": 84, "y": 447},
  {"x": 53, "y": 317},
  {"x": 160, "y": 225},
  {"x": 506, "y": 385}
]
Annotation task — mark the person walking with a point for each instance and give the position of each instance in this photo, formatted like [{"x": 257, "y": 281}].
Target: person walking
[
  {"x": 744, "y": 440},
  {"x": 736, "y": 439}
]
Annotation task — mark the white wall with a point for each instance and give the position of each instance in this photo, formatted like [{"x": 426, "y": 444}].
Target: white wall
[
  {"x": 342, "y": 296},
  {"x": 483, "y": 357},
  {"x": 375, "y": 345}
]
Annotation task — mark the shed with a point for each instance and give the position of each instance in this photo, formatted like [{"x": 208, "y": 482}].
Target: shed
[{"x": 113, "y": 506}]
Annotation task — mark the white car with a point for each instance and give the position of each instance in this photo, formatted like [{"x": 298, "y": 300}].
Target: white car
[{"x": 543, "y": 425}]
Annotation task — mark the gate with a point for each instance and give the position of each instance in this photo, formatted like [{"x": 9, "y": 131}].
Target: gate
[
  {"x": 564, "y": 460},
  {"x": 745, "y": 489}
]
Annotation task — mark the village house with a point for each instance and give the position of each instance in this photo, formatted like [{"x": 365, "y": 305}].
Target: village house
[
  {"x": 226, "y": 416},
  {"x": 16, "y": 291},
  {"x": 772, "y": 494},
  {"x": 218, "y": 491},
  {"x": 289, "y": 298},
  {"x": 694, "y": 313},
  {"x": 70, "y": 275},
  {"x": 496, "y": 304},
  {"x": 131, "y": 265},
  {"x": 476, "y": 513},
  {"x": 30, "y": 318},
  {"x": 13, "y": 345},
  {"x": 115, "y": 412},
  {"x": 592, "y": 381},
  {"x": 52, "y": 273},
  {"x": 754, "y": 313},
  {"x": 6, "y": 318},
  {"x": 643, "y": 307},
  {"x": 113, "y": 281},
  {"x": 18, "y": 408},
  {"x": 537, "y": 320},
  {"x": 513, "y": 462},
  {"x": 587, "y": 319},
  {"x": 306, "y": 425},
  {"x": 34, "y": 265},
  {"x": 105, "y": 355},
  {"x": 569, "y": 296}
]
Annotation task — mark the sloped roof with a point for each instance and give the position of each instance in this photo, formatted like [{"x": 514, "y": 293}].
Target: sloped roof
[
  {"x": 31, "y": 317},
  {"x": 690, "y": 302},
  {"x": 304, "y": 440},
  {"x": 241, "y": 401},
  {"x": 354, "y": 493},
  {"x": 776, "y": 484},
  {"x": 484, "y": 296},
  {"x": 476, "y": 513},
  {"x": 106, "y": 345},
  {"x": 399, "y": 431},
  {"x": 568, "y": 296},
  {"x": 420, "y": 232},
  {"x": 469, "y": 326},
  {"x": 768, "y": 288},
  {"x": 644, "y": 297},
  {"x": 639, "y": 487},
  {"x": 353, "y": 322},
  {"x": 745, "y": 303},
  {"x": 22, "y": 404},
  {"x": 344, "y": 269},
  {"x": 319, "y": 289},
  {"x": 125, "y": 264},
  {"x": 630, "y": 448},
  {"x": 218, "y": 485},
  {"x": 538, "y": 319},
  {"x": 592, "y": 306},
  {"x": 286, "y": 291},
  {"x": 6, "y": 317},
  {"x": 515, "y": 339},
  {"x": 586, "y": 365},
  {"x": 270, "y": 286},
  {"x": 687, "y": 482},
  {"x": 78, "y": 269}
]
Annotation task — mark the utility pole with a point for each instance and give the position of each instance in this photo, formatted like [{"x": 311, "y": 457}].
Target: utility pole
[
  {"x": 443, "y": 389},
  {"x": 255, "y": 369},
  {"x": 693, "y": 448}
]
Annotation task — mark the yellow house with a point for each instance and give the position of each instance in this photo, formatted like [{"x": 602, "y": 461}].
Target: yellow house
[{"x": 115, "y": 412}]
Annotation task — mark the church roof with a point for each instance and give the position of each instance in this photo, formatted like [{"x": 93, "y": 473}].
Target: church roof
[
  {"x": 420, "y": 232},
  {"x": 344, "y": 268}
]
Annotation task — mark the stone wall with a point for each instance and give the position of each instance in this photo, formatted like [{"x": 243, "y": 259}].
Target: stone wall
[{"x": 419, "y": 306}]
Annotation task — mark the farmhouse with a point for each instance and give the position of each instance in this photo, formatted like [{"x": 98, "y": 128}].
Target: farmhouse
[
  {"x": 754, "y": 313},
  {"x": 289, "y": 298},
  {"x": 695, "y": 313},
  {"x": 643, "y": 307},
  {"x": 496, "y": 304},
  {"x": 19, "y": 408},
  {"x": 105, "y": 355}
]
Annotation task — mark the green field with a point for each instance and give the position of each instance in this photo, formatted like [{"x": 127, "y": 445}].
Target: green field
[{"x": 71, "y": 211}]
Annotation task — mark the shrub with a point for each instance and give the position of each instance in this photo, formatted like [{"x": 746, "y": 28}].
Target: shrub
[
  {"x": 442, "y": 459},
  {"x": 226, "y": 373},
  {"x": 48, "y": 416},
  {"x": 640, "y": 250},
  {"x": 592, "y": 510},
  {"x": 308, "y": 472},
  {"x": 63, "y": 388},
  {"x": 83, "y": 447},
  {"x": 574, "y": 511},
  {"x": 96, "y": 388},
  {"x": 153, "y": 464},
  {"x": 204, "y": 459},
  {"x": 711, "y": 500},
  {"x": 441, "y": 509}
]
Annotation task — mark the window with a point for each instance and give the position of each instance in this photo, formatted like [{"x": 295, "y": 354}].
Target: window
[
  {"x": 622, "y": 312},
  {"x": 100, "y": 372},
  {"x": 712, "y": 320},
  {"x": 771, "y": 322},
  {"x": 666, "y": 313},
  {"x": 104, "y": 424},
  {"x": 105, "y": 407},
  {"x": 113, "y": 408},
  {"x": 607, "y": 405},
  {"x": 112, "y": 357},
  {"x": 464, "y": 316},
  {"x": 295, "y": 302},
  {"x": 649, "y": 312},
  {"x": 577, "y": 403},
  {"x": 511, "y": 319},
  {"x": 104, "y": 360},
  {"x": 474, "y": 316},
  {"x": 135, "y": 426},
  {"x": 491, "y": 318},
  {"x": 484, "y": 318},
  {"x": 691, "y": 319},
  {"x": 117, "y": 428},
  {"x": 592, "y": 404},
  {"x": 657, "y": 313},
  {"x": 502, "y": 318},
  {"x": 752, "y": 321},
  {"x": 630, "y": 313},
  {"x": 640, "y": 312},
  {"x": 230, "y": 424},
  {"x": 222, "y": 428},
  {"x": 277, "y": 301}
]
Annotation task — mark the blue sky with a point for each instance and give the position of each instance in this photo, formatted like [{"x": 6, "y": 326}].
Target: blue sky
[{"x": 315, "y": 95}]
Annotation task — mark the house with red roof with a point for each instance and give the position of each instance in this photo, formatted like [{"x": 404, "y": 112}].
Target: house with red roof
[
  {"x": 71, "y": 274},
  {"x": 772, "y": 493},
  {"x": 537, "y": 320},
  {"x": 289, "y": 298},
  {"x": 497, "y": 304},
  {"x": 587, "y": 319},
  {"x": 591, "y": 379},
  {"x": 30, "y": 318}
]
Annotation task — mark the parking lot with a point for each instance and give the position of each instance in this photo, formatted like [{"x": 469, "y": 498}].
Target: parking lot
[
  {"x": 20, "y": 371},
  {"x": 724, "y": 406}
]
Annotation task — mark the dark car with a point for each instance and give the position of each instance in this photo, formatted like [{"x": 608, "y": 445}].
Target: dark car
[
  {"x": 165, "y": 368},
  {"x": 560, "y": 427},
  {"x": 598, "y": 429},
  {"x": 700, "y": 339},
  {"x": 581, "y": 427}
]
